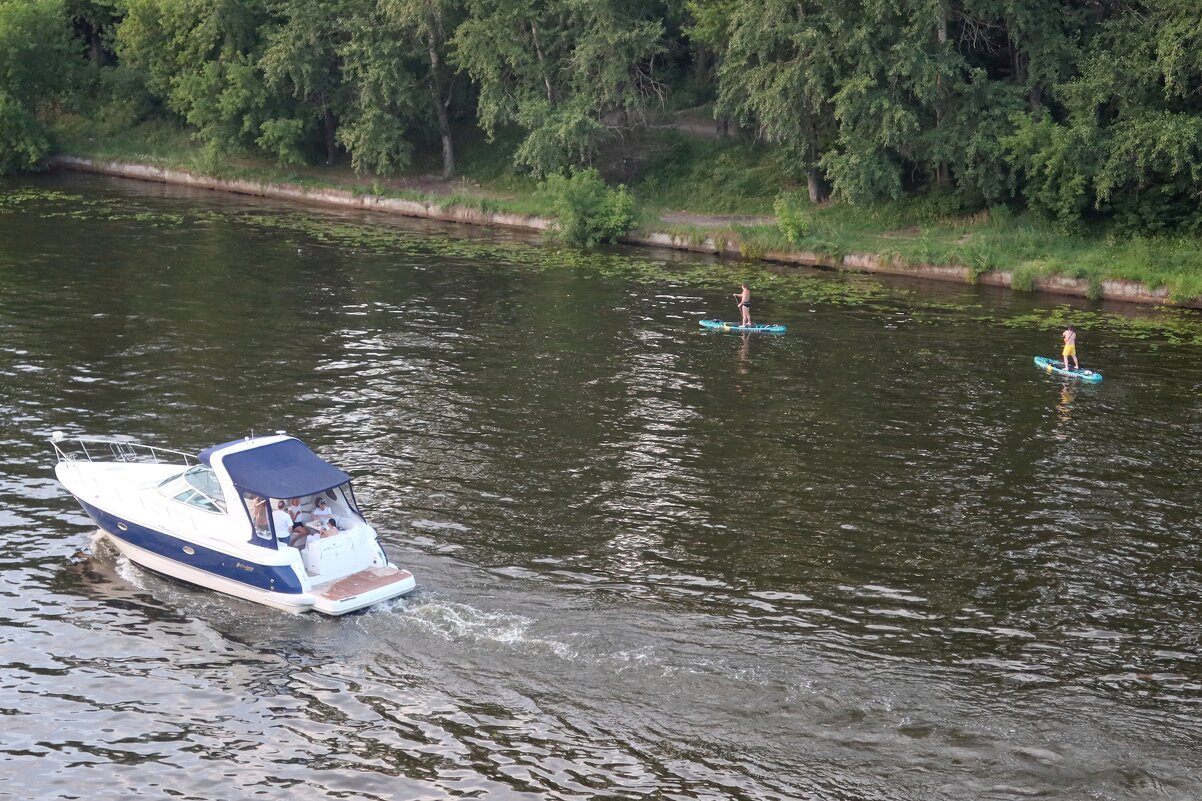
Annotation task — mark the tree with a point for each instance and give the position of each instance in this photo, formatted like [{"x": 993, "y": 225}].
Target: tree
[
  {"x": 301, "y": 59},
  {"x": 776, "y": 73},
  {"x": 204, "y": 57},
  {"x": 37, "y": 66},
  {"x": 1128, "y": 144},
  {"x": 569, "y": 73},
  {"x": 95, "y": 21},
  {"x": 430, "y": 23},
  {"x": 385, "y": 106}
]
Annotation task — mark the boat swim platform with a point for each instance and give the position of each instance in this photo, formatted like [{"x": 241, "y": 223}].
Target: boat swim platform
[{"x": 372, "y": 578}]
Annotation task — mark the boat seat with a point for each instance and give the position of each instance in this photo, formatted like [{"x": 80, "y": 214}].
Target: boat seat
[{"x": 333, "y": 556}]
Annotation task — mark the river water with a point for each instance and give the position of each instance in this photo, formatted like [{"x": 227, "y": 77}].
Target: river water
[{"x": 880, "y": 557}]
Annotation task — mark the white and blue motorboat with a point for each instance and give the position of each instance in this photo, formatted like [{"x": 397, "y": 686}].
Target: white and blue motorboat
[{"x": 212, "y": 519}]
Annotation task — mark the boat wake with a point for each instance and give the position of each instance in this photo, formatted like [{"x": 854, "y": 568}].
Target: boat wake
[{"x": 454, "y": 621}]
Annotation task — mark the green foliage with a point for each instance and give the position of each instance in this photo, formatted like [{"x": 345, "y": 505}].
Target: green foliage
[
  {"x": 202, "y": 57},
  {"x": 385, "y": 105},
  {"x": 123, "y": 100},
  {"x": 913, "y": 114},
  {"x": 777, "y": 73},
  {"x": 1024, "y": 276},
  {"x": 587, "y": 212},
  {"x": 791, "y": 221},
  {"x": 1057, "y": 163},
  {"x": 24, "y": 142},
  {"x": 36, "y": 69},
  {"x": 570, "y": 74},
  {"x": 713, "y": 176}
]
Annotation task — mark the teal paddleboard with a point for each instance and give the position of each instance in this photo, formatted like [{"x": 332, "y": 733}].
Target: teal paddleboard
[
  {"x": 1056, "y": 367},
  {"x": 760, "y": 328}
]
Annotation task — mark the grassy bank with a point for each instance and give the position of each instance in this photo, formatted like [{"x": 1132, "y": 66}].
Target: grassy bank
[{"x": 727, "y": 189}]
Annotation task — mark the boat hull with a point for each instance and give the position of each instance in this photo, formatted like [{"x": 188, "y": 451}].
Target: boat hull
[{"x": 277, "y": 586}]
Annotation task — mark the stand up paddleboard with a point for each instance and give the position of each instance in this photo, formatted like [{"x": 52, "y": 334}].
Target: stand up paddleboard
[
  {"x": 1056, "y": 367},
  {"x": 761, "y": 328}
]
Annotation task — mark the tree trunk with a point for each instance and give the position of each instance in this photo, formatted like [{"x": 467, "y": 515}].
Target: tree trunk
[
  {"x": 701, "y": 65},
  {"x": 538, "y": 51},
  {"x": 444, "y": 130},
  {"x": 1020, "y": 72},
  {"x": 942, "y": 172},
  {"x": 814, "y": 184},
  {"x": 329, "y": 127},
  {"x": 440, "y": 96},
  {"x": 813, "y": 175},
  {"x": 95, "y": 50}
]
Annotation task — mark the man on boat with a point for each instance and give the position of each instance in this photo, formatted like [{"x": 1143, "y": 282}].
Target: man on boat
[{"x": 282, "y": 521}]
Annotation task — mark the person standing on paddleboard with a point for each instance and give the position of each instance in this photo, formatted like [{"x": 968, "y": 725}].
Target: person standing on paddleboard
[
  {"x": 1070, "y": 347},
  {"x": 744, "y": 299}
]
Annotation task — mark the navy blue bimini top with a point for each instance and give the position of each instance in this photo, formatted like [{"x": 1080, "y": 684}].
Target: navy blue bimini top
[{"x": 285, "y": 469}]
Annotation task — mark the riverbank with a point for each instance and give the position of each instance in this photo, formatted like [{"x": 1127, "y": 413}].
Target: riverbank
[{"x": 994, "y": 250}]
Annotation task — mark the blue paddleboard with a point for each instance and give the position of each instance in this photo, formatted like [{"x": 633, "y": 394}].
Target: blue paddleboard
[
  {"x": 1056, "y": 366},
  {"x": 759, "y": 328}
]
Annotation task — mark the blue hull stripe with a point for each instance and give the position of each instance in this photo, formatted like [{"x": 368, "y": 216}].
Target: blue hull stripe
[{"x": 271, "y": 578}]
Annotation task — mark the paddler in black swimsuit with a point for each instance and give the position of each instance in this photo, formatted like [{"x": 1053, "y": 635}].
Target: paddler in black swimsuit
[{"x": 744, "y": 299}]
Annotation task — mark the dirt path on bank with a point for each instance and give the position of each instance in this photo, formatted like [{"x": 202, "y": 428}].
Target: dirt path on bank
[{"x": 713, "y": 220}]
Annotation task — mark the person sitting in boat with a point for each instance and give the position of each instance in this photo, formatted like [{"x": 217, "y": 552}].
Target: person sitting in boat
[
  {"x": 300, "y": 536},
  {"x": 321, "y": 512},
  {"x": 294, "y": 509},
  {"x": 329, "y": 528}
]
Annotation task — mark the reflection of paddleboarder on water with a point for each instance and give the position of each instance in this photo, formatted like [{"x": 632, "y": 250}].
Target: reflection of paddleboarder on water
[
  {"x": 744, "y": 299},
  {"x": 744, "y": 353},
  {"x": 1064, "y": 410}
]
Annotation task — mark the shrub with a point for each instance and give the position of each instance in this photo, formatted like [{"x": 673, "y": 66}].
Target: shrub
[
  {"x": 1023, "y": 278},
  {"x": 790, "y": 221},
  {"x": 587, "y": 212}
]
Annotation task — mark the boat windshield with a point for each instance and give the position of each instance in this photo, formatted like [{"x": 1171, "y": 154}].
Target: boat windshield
[{"x": 197, "y": 486}]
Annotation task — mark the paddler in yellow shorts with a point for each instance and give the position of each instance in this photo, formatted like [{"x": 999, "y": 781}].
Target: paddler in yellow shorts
[{"x": 1070, "y": 347}]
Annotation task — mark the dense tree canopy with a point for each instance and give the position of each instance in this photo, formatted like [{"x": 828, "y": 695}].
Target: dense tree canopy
[
  {"x": 36, "y": 66},
  {"x": 1081, "y": 111}
]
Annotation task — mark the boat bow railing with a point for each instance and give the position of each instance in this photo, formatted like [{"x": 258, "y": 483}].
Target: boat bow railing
[{"x": 105, "y": 449}]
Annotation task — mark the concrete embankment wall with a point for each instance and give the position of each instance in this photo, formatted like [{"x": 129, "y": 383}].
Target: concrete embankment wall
[
  {"x": 1111, "y": 289},
  {"x": 340, "y": 198}
]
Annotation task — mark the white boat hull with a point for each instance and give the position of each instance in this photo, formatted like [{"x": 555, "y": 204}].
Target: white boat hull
[
  {"x": 289, "y": 602},
  {"x": 167, "y": 513}
]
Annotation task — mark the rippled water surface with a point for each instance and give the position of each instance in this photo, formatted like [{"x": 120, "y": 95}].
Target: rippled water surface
[{"x": 881, "y": 557}]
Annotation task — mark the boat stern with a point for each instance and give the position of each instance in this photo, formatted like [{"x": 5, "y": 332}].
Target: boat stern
[{"x": 372, "y": 585}]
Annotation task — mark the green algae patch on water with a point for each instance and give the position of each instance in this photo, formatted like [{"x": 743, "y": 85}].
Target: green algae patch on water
[
  {"x": 15, "y": 199},
  {"x": 52, "y": 204},
  {"x": 1168, "y": 325},
  {"x": 785, "y": 286},
  {"x": 1174, "y": 326}
]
